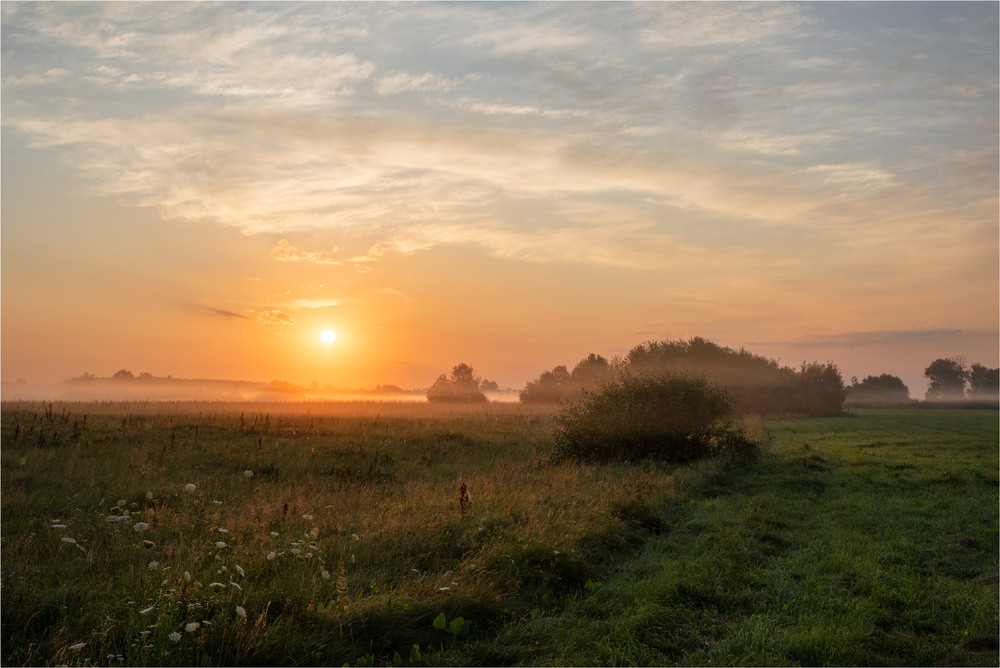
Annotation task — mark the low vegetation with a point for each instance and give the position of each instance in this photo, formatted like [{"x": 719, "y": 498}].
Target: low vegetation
[
  {"x": 415, "y": 534},
  {"x": 671, "y": 417}
]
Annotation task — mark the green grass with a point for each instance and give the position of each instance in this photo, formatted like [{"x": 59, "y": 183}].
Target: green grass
[{"x": 862, "y": 540}]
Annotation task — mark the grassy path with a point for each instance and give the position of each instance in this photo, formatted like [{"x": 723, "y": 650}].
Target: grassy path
[{"x": 868, "y": 540}]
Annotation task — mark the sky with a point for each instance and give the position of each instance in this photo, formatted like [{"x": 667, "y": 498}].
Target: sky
[{"x": 200, "y": 190}]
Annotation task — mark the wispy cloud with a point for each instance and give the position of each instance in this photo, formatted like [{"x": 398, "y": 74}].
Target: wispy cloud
[{"x": 283, "y": 251}]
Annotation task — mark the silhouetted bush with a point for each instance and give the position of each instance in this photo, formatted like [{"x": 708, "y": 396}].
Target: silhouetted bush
[{"x": 637, "y": 416}]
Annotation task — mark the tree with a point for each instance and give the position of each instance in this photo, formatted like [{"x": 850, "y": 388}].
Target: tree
[
  {"x": 462, "y": 387},
  {"x": 984, "y": 382},
  {"x": 947, "y": 378},
  {"x": 881, "y": 389},
  {"x": 123, "y": 374}
]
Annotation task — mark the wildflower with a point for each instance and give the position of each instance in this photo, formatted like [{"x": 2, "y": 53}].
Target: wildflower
[
  {"x": 240, "y": 570},
  {"x": 216, "y": 584},
  {"x": 233, "y": 584},
  {"x": 140, "y": 526},
  {"x": 241, "y": 611},
  {"x": 144, "y": 633},
  {"x": 146, "y": 611},
  {"x": 220, "y": 543},
  {"x": 444, "y": 588},
  {"x": 187, "y": 576},
  {"x": 112, "y": 518},
  {"x": 296, "y": 550},
  {"x": 325, "y": 574},
  {"x": 175, "y": 636},
  {"x": 307, "y": 517},
  {"x": 273, "y": 533},
  {"x": 149, "y": 495},
  {"x": 77, "y": 647},
  {"x": 189, "y": 487},
  {"x": 122, "y": 502},
  {"x": 67, "y": 539},
  {"x": 221, "y": 530},
  {"x": 217, "y": 502},
  {"x": 248, "y": 473},
  {"x": 191, "y": 627},
  {"x": 58, "y": 526},
  {"x": 271, "y": 555}
]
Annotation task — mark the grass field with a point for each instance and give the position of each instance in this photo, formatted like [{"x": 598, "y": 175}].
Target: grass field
[{"x": 325, "y": 534}]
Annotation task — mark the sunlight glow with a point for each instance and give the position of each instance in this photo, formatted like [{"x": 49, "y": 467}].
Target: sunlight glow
[{"x": 328, "y": 336}]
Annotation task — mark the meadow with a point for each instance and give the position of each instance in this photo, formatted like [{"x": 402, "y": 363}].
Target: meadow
[{"x": 408, "y": 534}]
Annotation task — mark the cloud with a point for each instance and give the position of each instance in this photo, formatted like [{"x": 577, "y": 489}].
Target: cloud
[
  {"x": 317, "y": 303},
  {"x": 283, "y": 251},
  {"x": 229, "y": 314},
  {"x": 895, "y": 337},
  {"x": 403, "y": 82},
  {"x": 270, "y": 317}
]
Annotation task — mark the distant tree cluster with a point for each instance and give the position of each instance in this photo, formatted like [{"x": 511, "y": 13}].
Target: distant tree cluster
[
  {"x": 952, "y": 379},
  {"x": 884, "y": 389},
  {"x": 755, "y": 383},
  {"x": 560, "y": 383},
  {"x": 464, "y": 386}
]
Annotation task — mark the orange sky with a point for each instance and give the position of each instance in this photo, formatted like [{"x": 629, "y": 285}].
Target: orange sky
[{"x": 201, "y": 190}]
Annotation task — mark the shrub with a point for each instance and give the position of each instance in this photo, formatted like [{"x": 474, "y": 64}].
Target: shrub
[{"x": 664, "y": 416}]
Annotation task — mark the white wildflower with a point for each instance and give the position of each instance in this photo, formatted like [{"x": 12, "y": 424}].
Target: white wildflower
[
  {"x": 144, "y": 633},
  {"x": 217, "y": 502},
  {"x": 216, "y": 584},
  {"x": 307, "y": 517},
  {"x": 112, "y": 518},
  {"x": 189, "y": 487},
  {"x": 77, "y": 647},
  {"x": 140, "y": 526},
  {"x": 273, "y": 533},
  {"x": 175, "y": 636},
  {"x": 220, "y": 543},
  {"x": 239, "y": 569},
  {"x": 444, "y": 588},
  {"x": 241, "y": 611},
  {"x": 248, "y": 473},
  {"x": 149, "y": 495},
  {"x": 325, "y": 574},
  {"x": 122, "y": 502},
  {"x": 191, "y": 627},
  {"x": 146, "y": 611},
  {"x": 296, "y": 550},
  {"x": 233, "y": 584},
  {"x": 271, "y": 555},
  {"x": 187, "y": 576},
  {"x": 221, "y": 530},
  {"x": 58, "y": 526},
  {"x": 67, "y": 539}
]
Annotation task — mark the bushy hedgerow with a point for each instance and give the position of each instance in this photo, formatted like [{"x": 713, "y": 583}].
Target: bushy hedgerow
[{"x": 670, "y": 417}]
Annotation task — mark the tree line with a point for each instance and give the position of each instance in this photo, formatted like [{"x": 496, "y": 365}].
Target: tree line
[{"x": 756, "y": 384}]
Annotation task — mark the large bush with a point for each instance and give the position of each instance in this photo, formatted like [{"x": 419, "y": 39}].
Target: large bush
[{"x": 636, "y": 416}]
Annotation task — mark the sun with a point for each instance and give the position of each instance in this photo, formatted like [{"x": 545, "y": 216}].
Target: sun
[{"x": 328, "y": 336}]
